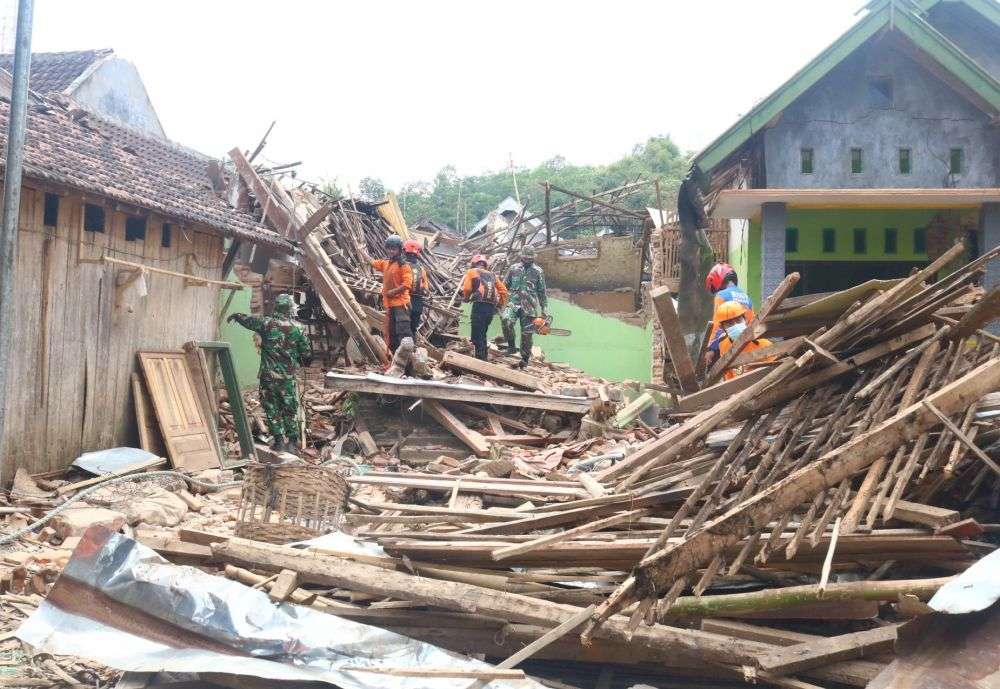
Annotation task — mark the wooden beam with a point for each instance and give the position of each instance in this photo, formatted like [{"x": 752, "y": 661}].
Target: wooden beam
[
  {"x": 673, "y": 338},
  {"x": 541, "y": 642},
  {"x": 502, "y": 374},
  {"x": 568, "y": 534},
  {"x": 722, "y": 390},
  {"x": 140, "y": 267},
  {"x": 343, "y": 573},
  {"x": 678, "y": 560},
  {"x": 410, "y": 387},
  {"x": 811, "y": 654},
  {"x": 965, "y": 439},
  {"x": 491, "y": 486},
  {"x": 794, "y": 388},
  {"x": 470, "y": 438}
]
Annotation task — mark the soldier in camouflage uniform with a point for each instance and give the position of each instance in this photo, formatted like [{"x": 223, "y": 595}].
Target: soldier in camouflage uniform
[
  {"x": 526, "y": 284},
  {"x": 283, "y": 348}
]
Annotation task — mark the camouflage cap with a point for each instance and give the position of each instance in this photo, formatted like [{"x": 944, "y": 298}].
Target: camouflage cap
[{"x": 528, "y": 252}]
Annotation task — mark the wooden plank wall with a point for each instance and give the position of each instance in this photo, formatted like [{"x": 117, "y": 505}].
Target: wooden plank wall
[{"x": 74, "y": 351}]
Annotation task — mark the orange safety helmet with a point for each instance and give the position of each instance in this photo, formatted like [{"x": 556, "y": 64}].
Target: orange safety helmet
[
  {"x": 729, "y": 310},
  {"x": 718, "y": 275},
  {"x": 478, "y": 258},
  {"x": 411, "y": 246}
]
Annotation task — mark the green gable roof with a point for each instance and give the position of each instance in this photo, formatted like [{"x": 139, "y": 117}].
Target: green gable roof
[{"x": 896, "y": 15}]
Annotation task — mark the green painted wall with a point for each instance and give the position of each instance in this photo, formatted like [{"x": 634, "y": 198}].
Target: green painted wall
[
  {"x": 245, "y": 354},
  {"x": 601, "y": 346},
  {"x": 811, "y": 223}
]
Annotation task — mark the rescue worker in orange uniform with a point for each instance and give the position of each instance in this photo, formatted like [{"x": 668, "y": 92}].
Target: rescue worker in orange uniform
[
  {"x": 723, "y": 282},
  {"x": 397, "y": 281},
  {"x": 487, "y": 293},
  {"x": 420, "y": 294},
  {"x": 732, "y": 323}
]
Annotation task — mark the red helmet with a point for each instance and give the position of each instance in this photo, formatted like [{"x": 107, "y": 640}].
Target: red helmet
[
  {"x": 478, "y": 258},
  {"x": 411, "y": 246},
  {"x": 718, "y": 275}
]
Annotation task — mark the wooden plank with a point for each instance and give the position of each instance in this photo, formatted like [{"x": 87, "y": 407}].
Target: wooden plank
[
  {"x": 966, "y": 440},
  {"x": 432, "y": 673},
  {"x": 680, "y": 559},
  {"x": 472, "y": 439},
  {"x": 782, "y": 393},
  {"x": 501, "y": 374},
  {"x": 332, "y": 571},
  {"x": 673, "y": 338},
  {"x": 376, "y": 384},
  {"x": 568, "y": 534},
  {"x": 284, "y": 585},
  {"x": 496, "y": 486},
  {"x": 488, "y": 415},
  {"x": 541, "y": 642},
  {"x": 777, "y": 350},
  {"x": 182, "y": 422},
  {"x": 811, "y": 654},
  {"x": 720, "y": 391},
  {"x": 150, "y": 439},
  {"x": 927, "y": 515}
]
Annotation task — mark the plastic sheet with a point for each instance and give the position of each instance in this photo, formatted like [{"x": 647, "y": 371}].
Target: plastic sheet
[
  {"x": 113, "y": 459},
  {"x": 977, "y": 588},
  {"x": 120, "y": 604}
]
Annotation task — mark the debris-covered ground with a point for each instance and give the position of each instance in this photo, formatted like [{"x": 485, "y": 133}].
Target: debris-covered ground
[{"x": 811, "y": 522}]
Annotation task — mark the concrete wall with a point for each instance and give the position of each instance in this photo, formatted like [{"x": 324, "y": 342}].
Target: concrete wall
[
  {"x": 838, "y": 114},
  {"x": 616, "y": 265},
  {"x": 115, "y": 90}
]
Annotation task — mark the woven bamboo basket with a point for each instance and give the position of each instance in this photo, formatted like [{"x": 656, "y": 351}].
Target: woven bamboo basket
[{"x": 290, "y": 502}]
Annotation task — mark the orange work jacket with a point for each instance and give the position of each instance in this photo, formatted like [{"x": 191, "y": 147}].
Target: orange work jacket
[
  {"x": 725, "y": 344},
  {"x": 497, "y": 296},
  {"x": 394, "y": 274}
]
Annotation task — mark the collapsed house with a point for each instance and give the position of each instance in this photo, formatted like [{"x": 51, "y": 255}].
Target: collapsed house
[{"x": 120, "y": 249}]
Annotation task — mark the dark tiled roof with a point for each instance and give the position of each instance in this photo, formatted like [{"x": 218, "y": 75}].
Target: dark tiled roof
[
  {"x": 73, "y": 148},
  {"x": 54, "y": 72}
]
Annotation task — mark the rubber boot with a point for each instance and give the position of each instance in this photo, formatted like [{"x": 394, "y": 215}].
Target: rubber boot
[
  {"x": 278, "y": 444},
  {"x": 292, "y": 447}
]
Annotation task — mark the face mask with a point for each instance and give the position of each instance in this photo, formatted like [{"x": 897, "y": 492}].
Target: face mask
[
  {"x": 735, "y": 330},
  {"x": 527, "y": 262}
]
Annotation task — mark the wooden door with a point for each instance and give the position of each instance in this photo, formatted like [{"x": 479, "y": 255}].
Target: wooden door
[{"x": 183, "y": 423}]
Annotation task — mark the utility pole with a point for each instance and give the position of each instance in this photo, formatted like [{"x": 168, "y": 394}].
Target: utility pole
[
  {"x": 513, "y": 175},
  {"x": 16, "y": 124}
]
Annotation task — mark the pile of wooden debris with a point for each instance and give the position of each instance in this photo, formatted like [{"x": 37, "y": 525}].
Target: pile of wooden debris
[{"x": 782, "y": 527}]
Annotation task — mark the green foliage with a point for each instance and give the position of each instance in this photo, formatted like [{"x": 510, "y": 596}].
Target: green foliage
[
  {"x": 371, "y": 189},
  {"x": 331, "y": 189},
  {"x": 462, "y": 201}
]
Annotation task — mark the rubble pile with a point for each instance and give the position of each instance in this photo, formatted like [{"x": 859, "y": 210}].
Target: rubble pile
[{"x": 785, "y": 526}]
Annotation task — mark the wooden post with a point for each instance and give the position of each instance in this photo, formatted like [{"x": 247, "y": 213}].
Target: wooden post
[
  {"x": 659, "y": 203},
  {"x": 671, "y": 326}
]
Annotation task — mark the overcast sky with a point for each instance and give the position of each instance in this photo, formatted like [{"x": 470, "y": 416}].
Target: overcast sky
[{"x": 399, "y": 89}]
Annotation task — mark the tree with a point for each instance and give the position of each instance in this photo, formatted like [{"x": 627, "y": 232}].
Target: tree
[
  {"x": 372, "y": 189},
  {"x": 450, "y": 198},
  {"x": 331, "y": 189}
]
